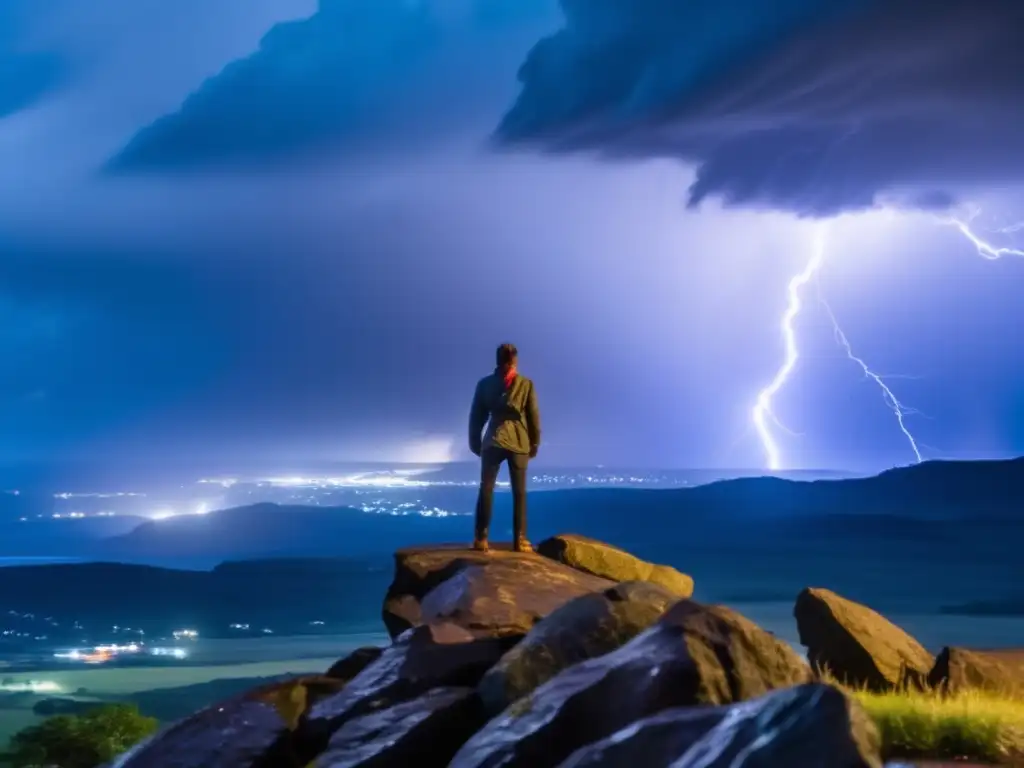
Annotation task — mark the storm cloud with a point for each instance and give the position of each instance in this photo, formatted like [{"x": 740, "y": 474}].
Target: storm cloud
[
  {"x": 27, "y": 69},
  {"x": 354, "y": 75},
  {"x": 816, "y": 108}
]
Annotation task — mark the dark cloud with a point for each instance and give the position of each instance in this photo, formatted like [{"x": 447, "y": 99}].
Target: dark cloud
[
  {"x": 815, "y": 107},
  {"x": 357, "y": 74},
  {"x": 26, "y": 73}
]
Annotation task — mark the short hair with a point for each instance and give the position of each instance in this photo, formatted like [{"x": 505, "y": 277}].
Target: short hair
[{"x": 506, "y": 354}]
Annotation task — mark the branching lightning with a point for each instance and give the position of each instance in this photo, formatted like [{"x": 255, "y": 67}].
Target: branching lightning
[
  {"x": 899, "y": 410},
  {"x": 763, "y": 411},
  {"x": 985, "y": 249}
]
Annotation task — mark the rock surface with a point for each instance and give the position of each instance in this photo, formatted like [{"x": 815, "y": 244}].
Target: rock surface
[
  {"x": 495, "y": 594},
  {"x": 856, "y": 645},
  {"x": 810, "y": 726},
  {"x": 587, "y": 627},
  {"x": 350, "y": 666},
  {"x": 612, "y": 563},
  {"x": 424, "y": 658},
  {"x": 257, "y": 729},
  {"x": 958, "y": 670},
  {"x": 693, "y": 655},
  {"x": 426, "y": 732}
]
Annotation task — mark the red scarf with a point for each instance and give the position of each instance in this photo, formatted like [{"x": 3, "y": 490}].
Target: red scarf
[{"x": 510, "y": 376}]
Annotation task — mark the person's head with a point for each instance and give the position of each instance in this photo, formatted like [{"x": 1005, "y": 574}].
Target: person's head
[{"x": 507, "y": 356}]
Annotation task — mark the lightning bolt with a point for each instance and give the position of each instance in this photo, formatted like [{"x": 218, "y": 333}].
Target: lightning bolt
[
  {"x": 899, "y": 410},
  {"x": 763, "y": 412}
]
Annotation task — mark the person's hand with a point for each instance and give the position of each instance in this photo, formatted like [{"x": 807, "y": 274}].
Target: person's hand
[{"x": 533, "y": 451}]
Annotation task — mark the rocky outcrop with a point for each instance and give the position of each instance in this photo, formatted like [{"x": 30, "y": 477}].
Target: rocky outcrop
[
  {"x": 693, "y": 655},
  {"x": 257, "y": 729},
  {"x": 507, "y": 659},
  {"x": 856, "y": 645},
  {"x": 587, "y": 627},
  {"x": 610, "y": 562},
  {"x": 811, "y": 726},
  {"x": 958, "y": 670},
  {"x": 495, "y": 594}
]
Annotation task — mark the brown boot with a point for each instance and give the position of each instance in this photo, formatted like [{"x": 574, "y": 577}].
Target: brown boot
[
  {"x": 481, "y": 545},
  {"x": 522, "y": 545}
]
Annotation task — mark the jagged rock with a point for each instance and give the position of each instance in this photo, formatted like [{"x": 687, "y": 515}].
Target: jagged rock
[
  {"x": 810, "y": 726},
  {"x": 693, "y": 655},
  {"x": 496, "y": 594},
  {"x": 582, "y": 629},
  {"x": 255, "y": 730},
  {"x": 425, "y": 732},
  {"x": 351, "y": 665},
  {"x": 423, "y": 658},
  {"x": 610, "y": 562},
  {"x": 958, "y": 670},
  {"x": 856, "y": 645}
]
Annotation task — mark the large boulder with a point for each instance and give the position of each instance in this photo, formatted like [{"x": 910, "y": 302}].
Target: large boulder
[
  {"x": 810, "y": 726},
  {"x": 610, "y": 562},
  {"x": 587, "y": 627},
  {"x": 958, "y": 670},
  {"x": 259, "y": 728},
  {"x": 857, "y": 646},
  {"x": 425, "y": 732},
  {"x": 693, "y": 655},
  {"x": 494, "y": 594},
  {"x": 423, "y": 658}
]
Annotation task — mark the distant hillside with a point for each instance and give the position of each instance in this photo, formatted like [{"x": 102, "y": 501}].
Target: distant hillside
[
  {"x": 931, "y": 490},
  {"x": 269, "y": 530},
  {"x": 282, "y": 594},
  {"x": 931, "y": 500}
]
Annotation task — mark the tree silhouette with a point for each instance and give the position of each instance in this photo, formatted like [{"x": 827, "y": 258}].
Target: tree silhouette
[{"x": 87, "y": 740}]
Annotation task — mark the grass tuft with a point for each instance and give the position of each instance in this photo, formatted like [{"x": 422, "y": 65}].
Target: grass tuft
[{"x": 975, "y": 726}]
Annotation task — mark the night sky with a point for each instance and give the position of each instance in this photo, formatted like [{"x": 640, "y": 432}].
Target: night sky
[{"x": 282, "y": 230}]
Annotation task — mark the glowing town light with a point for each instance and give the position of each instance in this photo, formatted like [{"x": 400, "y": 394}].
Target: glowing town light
[
  {"x": 185, "y": 634},
  {"x": 31, "y": 686},
  {"x": 175, "y": 653}
]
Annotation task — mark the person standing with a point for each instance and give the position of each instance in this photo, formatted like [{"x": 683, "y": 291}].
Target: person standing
[{"x": 506, "y": 403}]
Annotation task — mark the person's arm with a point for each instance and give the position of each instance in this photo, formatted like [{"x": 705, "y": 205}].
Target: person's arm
[
  {"x": 533, "y": 420},
  {"x": 477, "y": 420}
]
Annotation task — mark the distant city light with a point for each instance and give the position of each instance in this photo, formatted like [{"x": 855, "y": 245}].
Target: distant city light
[
  {"x": 31, "y": 686},
  {"x": 185, "y": 634},
  {"x": 224, "y": 482},
  {"x": 177, "y": 653},
  {"x": 96, "y": 495}
]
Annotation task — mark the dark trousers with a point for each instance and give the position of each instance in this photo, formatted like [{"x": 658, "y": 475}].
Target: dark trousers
[{"x": 490, "y": 462}]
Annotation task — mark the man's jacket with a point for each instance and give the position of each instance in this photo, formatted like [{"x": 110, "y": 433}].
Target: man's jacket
[{"x": 511, "y": 415}]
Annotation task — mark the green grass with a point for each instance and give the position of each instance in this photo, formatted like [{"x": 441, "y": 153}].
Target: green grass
[{"x": 979, "y": 727}]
